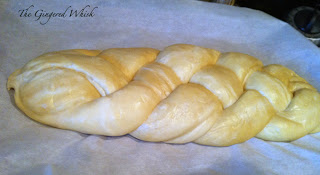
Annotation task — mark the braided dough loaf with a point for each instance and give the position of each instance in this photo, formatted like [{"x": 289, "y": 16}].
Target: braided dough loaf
[{"x": 182, "y": 94}]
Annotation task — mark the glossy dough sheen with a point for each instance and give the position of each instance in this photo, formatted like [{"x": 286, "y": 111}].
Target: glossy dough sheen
[{"x": 182, "y": 94}]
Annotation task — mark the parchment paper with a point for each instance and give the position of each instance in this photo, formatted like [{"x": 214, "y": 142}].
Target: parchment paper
[{"x": 27, "y": 147}]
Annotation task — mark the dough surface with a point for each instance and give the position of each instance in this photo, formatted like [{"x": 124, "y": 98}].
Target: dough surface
[{"x": 184, "y": 93}]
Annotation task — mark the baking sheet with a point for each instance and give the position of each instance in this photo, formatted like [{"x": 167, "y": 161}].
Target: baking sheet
[{"x": 27, "y": 147}]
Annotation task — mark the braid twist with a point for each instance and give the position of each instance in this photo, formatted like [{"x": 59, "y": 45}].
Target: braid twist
[{"x": 182, "y": 94}]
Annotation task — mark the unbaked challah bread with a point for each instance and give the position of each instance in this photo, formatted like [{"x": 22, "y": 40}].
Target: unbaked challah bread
[{"x": 182, "y": 94}]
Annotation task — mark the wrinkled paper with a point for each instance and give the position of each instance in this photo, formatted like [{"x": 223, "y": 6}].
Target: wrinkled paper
[{"x": 27, "y": 147}]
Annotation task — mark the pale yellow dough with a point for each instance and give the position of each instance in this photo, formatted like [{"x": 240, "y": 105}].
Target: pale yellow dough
[{"x": 181, "y": 94}]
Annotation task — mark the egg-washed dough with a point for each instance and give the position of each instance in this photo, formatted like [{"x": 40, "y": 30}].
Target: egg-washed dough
[{"x": 181, "y": 94}]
